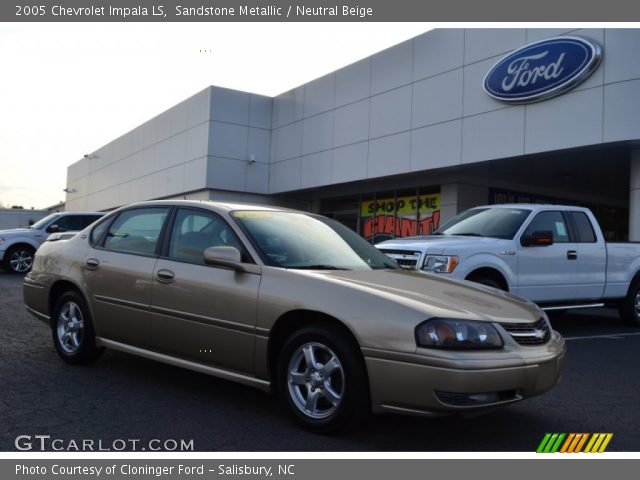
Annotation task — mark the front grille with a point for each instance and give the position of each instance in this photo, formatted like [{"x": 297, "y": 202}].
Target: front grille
[
  {"x": 537, "y": 333},
  {"x": 406, "y": 258}
]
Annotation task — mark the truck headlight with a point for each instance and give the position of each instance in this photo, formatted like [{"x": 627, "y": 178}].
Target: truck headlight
[
  {"x": 439, "y": 263},
  {"x": 457, "y": 334}
]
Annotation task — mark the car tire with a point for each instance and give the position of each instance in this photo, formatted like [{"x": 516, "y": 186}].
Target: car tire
[
  {"x": 18, "y": 259},
  {"x": 332, "y": 393},
  {"x": 72, "y": 330},
  {"x": 630, "y": 307}
]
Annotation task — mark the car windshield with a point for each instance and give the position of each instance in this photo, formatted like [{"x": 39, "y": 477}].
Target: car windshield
[
  {"x": 302, "y": 241},
  {"x": 486, "y": 222},
  {"x": 40, "y": 224}
]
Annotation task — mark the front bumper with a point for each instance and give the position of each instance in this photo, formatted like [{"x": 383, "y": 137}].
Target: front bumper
[
  {"x": 35, "y": 295},
  {"x": 423, "y": 389}
]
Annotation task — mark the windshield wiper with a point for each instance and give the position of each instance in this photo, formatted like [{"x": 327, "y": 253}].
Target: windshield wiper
[
  {"x": 469, "y": 234},
  {"x": 320, "y": 266}
]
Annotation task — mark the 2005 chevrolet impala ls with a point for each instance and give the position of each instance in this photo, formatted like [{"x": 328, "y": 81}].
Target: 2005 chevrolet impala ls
[{"x": 293, "y": 302}]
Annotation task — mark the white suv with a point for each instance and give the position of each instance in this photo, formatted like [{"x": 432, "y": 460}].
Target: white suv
[{"x": 18, "y": 245}]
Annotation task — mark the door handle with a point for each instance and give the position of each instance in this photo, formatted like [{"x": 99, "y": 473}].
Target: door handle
[
  {"x": 572, "y": 255},
  {"x": 165, "y": 276},
  {"x": 92, "y": 263}
]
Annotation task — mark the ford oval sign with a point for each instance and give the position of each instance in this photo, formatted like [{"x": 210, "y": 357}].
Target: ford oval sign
[{"x": 543, "y": 69}]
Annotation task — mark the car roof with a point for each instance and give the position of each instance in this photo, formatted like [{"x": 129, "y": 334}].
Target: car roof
[
  {"x": 535, "y": 206},
  {"x": 79, "y": 213},
  {"x": 211, "y": 205}
]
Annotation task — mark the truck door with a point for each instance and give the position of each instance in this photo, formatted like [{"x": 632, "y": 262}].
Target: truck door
[
  {"x": 592, "y": 257},
  {"x": 548, "y": 273}
]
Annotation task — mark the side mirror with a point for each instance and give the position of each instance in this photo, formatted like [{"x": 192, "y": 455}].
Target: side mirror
[
  {"x": 541, "y": 238},
  {"x": 53, "y": 229},
  {"x": 228, "y": 257}
]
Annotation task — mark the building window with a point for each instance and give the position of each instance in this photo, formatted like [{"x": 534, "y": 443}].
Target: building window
[{"x": 399, "y": 214}]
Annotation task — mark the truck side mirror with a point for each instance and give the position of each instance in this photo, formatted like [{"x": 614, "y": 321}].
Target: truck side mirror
[
  {"x": 539, "y": 238},
  {"x": 53, "y": 229}
]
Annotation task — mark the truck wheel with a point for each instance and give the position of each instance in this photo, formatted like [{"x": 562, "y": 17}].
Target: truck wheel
[
  {"x": 322, "y": 379},
  {"x": 489, "y": 282},
  {"x": 72, "y": 330},
  {"x": 19, "y": 259},
  {"x": 630, "y": 306}
]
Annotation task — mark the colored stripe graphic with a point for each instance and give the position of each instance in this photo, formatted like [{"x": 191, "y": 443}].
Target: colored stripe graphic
[
  {"x": 604, "y": 445},
  {"x": 574, "y": 443},
  {"x": 543, "y": 443},
  {"x": 593, "y": 439},
  {"x": 576, "y": 439},
  {"x": 556, "y": 445},
  {"x": 550, "y": 443},
  {"x": 567, "y": 443},
  {"x": 581, "y": 443},
  {"x": 598, "y": 443}
]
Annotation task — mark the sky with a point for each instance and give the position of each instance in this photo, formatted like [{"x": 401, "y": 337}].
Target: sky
[{"x": 66, "y": 89}]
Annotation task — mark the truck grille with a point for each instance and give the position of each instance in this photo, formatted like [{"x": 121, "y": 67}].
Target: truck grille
[
  {"x": 406, "y": 258},
  {"x": 537, "y": 333}
]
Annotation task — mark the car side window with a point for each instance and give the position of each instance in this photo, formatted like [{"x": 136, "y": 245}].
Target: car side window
[
  {"x": 583, "y": 227},
  {"x": 136, "y": 231},
  {"x": 194, "y": 231},
  {"x": 550, "y": 222},
  {"x": 98, "y": 231}
]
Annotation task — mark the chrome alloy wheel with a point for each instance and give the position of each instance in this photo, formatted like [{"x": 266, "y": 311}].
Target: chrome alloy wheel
[
  {"x": 70, "y": 326},
  {"x": 636, "y": 305},
  {"x": 316, "y": 380},
  {"x": 21, "y": 261}
]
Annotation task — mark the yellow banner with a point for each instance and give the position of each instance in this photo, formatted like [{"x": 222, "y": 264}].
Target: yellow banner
[{"x": 401, "y": 206}]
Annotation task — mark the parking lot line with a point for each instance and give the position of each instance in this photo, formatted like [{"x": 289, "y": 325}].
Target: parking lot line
[{"x": 612, "y": 336}]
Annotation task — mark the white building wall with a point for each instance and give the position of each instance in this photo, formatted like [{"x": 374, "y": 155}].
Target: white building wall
[
  {"x": 420, "y": 105},
  {"x": 205, "y": 142},
  {"x": 165, "y": 155},
  {"x": 415, "y": 107},
  {"x": 239, "y": 141}
]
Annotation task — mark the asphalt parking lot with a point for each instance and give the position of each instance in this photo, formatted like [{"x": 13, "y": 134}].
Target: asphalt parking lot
[{"x": 125, "y": 397}]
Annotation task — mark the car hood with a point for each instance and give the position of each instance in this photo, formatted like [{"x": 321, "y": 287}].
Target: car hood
[
  {"x": 436, "y": 243},
  {"x": 14, "y": 232},
  {"x": 439, "y": 296}
]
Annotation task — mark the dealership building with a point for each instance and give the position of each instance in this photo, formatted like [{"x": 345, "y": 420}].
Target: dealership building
[{"x": 399, "y": 142}]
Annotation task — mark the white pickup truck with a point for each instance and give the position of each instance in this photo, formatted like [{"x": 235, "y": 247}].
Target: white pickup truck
[{"x": 553, "y": 255}]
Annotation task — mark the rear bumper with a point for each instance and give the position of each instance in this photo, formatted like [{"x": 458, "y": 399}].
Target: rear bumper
[{"x": 421, "y": 389}]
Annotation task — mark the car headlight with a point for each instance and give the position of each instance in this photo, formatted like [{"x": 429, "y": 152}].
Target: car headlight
[
  {"x": 439, "y": 263},
  {"x": 1, "y": 240},
  {"x": 457, "y": 334}
]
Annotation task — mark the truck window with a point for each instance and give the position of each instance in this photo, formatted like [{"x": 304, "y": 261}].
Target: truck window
[
  {"x": 550, "y": 222},
  {"x": 486, "y": 222},
  {"x": 67, "y": 223},
  {"x": 583, "y": 227}
]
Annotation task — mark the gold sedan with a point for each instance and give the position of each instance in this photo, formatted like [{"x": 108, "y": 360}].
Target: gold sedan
[{"x": 291, "y": 302}]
